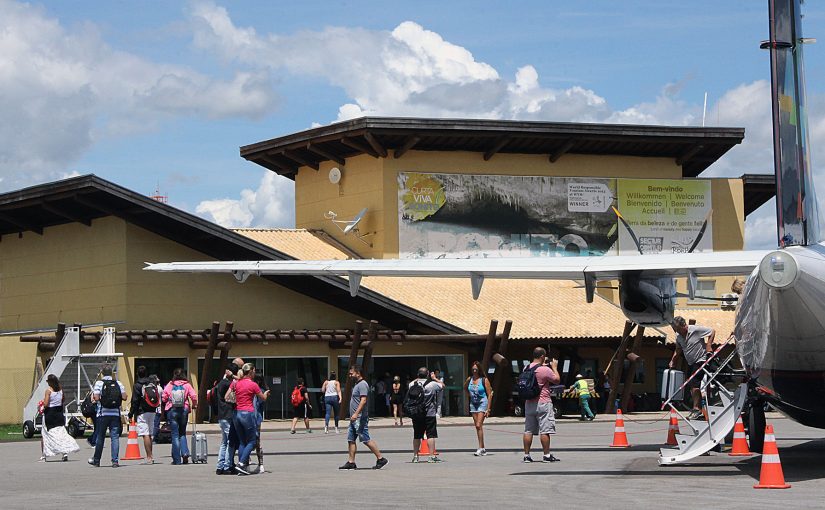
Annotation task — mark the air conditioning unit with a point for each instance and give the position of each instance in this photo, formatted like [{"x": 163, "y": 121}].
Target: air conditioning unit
[{"x": 729, "y": 301}]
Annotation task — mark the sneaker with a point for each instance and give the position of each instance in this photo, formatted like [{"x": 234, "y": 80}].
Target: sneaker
[
  {"x": 93, "y": 462},
  {"x": 291, "y": 431},
  {"x": 695, "y": 414},
  {"x": 65, "y": 457},
  {"x": 527, "y": 459},
  {"x": 434, "y": 460},
  {"x": 42, "y": 458},
  {"x": 415, "y": 459},
  {"x": 482, "y": 452},
  {"x": 550, "y": 458},
  {"x": 478, "y": 453},
  {"x": 349, "y": 465},
  {"x": 242, "y": 469},
  {"x": 115, "y": 464},
  {"x": 337, "y": 431},
  {"x": 309, "y": 431},
  {"x": 326, "y": 430},
  {"x": 380, "y": 463},
  {"x": 186, "y": 459},
  {"x": 219, "y": 471}
]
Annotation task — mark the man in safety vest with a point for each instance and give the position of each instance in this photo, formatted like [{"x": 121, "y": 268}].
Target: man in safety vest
[{"x": 582, "y": 389}]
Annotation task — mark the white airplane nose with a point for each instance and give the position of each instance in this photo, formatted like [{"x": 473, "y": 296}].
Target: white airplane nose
[{"x": 778, "y": 269}]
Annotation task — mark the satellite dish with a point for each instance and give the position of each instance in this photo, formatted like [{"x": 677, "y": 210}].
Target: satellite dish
[
  {"x": 354, "y": 222},
  {"x": 335, "y": 175}
]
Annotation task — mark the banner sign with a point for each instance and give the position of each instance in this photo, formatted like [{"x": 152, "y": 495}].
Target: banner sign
[{"x": 463, "y": 215}]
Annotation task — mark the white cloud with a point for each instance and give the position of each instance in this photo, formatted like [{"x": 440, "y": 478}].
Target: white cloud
[
  {"x": 271, "y": 205},
  {"x": 65, "y": 89}
]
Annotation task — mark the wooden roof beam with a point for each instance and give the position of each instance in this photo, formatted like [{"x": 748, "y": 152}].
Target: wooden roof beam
[
  {"x": 375, "y": 144},
  {"x": 328, "y": 155},
  {"x": 349, "y": 142},
  {"x": 64, "y": 214},
  {"x": 408, "y": 144},
  {"x": 283, "y": 167},
  {"x": 687, "y": 155},
  {"x": 500, "y": 143},
  {"x": 301, "y": 160},
  {"x": 21, "y": 224},
  {"x": 561, "y": 151}
]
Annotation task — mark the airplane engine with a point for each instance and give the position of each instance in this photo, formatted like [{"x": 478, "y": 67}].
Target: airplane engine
[{"x": 647, "y": 301}]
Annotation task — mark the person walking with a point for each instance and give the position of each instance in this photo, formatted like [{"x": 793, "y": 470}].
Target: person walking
[
  {"x": 54, "y": 440},
  {"x": 359, "y": 421},
  {"x": 301, "y": 408},
  {"x": 260, "y": 406},
  {"x": 421, "y": 405},
  {"x": 480, "y": 396},
  {"x": 146, "y": 398},
  {"x": 111, "y": 394},
  {"x": 582, "y": 389},
  {"x": 179, "y": 398},
  {"x": 332, "y": 401},
  {"x": 539, "y": 417},
  {"x": 397, "y": 401},
  {"x": 225, "y": 412},
  {"x": 245, "y": 421}
]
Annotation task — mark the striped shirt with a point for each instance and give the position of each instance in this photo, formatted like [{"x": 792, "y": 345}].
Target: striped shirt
[{"x": 98, "y": 388}]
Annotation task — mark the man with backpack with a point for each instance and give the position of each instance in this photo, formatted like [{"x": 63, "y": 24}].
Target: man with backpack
[
  {"x": 421, "y": 405},
  {"x": 301, "y": 408},
  {"x": 110, "y": 394},
  {"x": 146, "y": 397},
  {"x": 534, "y": 389}
]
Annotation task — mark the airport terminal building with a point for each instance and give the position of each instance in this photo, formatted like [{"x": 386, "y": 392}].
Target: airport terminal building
[{"x": 72, "y": 252}]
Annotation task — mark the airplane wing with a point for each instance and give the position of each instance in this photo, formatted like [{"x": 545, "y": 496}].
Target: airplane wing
[{"x": 589, "y": 269}]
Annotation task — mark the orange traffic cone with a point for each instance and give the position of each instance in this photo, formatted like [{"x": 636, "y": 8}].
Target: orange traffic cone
[
  {"x": 672, "y": 429},
  {"x": 424, "y": 449},
  {"x": 132, "y": 447},
  {"x": 619, "y": 435},
  {"x": 771, "y": 476},
  {"x": 740, "y": 444}
]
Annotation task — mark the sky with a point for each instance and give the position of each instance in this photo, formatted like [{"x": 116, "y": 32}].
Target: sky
[{"x": 161, "y": 95}]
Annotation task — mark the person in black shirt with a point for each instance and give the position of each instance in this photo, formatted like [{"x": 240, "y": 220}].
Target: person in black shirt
[{"x": 225, "y": 412}]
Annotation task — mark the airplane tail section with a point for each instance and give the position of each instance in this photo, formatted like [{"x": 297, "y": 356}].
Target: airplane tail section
[{"x": 797, "y": 213}]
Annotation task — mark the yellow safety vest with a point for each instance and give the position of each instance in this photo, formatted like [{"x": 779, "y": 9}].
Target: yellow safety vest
[{"x": 582, "y": 388}]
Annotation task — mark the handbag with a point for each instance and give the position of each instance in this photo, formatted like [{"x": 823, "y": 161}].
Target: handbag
[{"x": 230, "y": 394}]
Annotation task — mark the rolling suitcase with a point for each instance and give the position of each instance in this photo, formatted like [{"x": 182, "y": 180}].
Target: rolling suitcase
[
  {"x": 671, "y": 381},
  {"x": 199, "y": 448}
]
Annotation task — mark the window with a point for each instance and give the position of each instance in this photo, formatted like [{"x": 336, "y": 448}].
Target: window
[{"x": 704, "y": 288}]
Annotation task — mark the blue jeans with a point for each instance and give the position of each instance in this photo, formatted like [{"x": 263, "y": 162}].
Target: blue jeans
[
  {"x": 223, "y": 462},
  {"x": 332, "y": 405},
  {"x": 113, "y": 424},
  {"x": 359, "y": 429},
  {"x": 177, "y": 418},
  {"x": 246, "y": 426}
]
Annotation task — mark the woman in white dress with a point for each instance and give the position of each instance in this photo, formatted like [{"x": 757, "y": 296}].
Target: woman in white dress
[{"x": 54, "y": 440}]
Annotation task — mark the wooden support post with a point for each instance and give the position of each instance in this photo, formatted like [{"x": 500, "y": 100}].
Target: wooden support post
[
  {"x": 631, "y": 368},
  {"x": 502, "y": 374},
  {"x": 488, "y": 346},
  {"x": 372, "y": 335},
  {"x": 203, "y": 382},
  {"x": 353, "y": 358},
  {"x": 613, "y": 371},
  {"x": 223, "y": 360}
]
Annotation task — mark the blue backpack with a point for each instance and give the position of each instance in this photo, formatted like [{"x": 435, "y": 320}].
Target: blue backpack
[{"x": 528, "y": 385}]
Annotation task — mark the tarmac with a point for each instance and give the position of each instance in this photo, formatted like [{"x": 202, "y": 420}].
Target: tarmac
[{"x": 301, "y": 470}]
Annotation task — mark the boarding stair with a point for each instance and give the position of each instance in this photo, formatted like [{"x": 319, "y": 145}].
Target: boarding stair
[
  {"x": 721, "y": 416},
  {"x": 77, "y": 371}
]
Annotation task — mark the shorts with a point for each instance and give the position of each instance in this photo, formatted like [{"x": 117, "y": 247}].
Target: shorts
[
  {"x": 425, "y": 424},
  {"x": 696, "y": 382},
  {"x": 301, "y": 411},
  {"x": 480, "y": 408},
  {"x": 359, "y": 429},
  {"x": 146, "y": 423},
  {"x": 539, "y": 418}
]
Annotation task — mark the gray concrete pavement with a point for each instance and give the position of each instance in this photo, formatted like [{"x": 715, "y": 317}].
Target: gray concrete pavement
[{"x": 302, "y": 472}]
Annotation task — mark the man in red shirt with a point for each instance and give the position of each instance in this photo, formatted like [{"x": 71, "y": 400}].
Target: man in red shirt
[{"x": 539, "y": 417}]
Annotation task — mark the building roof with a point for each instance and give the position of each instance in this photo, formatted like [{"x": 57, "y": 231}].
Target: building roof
[
  {"x": 693, "y": 148},
  {"x": 85, "y": 198},
  {"x": 539, "y": 309},
  {"x": 758, "y": 189}
]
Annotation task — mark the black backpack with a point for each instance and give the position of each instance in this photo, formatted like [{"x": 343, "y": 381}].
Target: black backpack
[
  {"x": 110, "y": 394},
  {"x": 415, "y": 402},
  {"x": 528, "y": 385},
  {"x": 88, "y": 408}
]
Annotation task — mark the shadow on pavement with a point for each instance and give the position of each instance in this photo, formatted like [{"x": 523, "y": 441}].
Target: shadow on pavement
[{"x": 805, "y": 461}]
